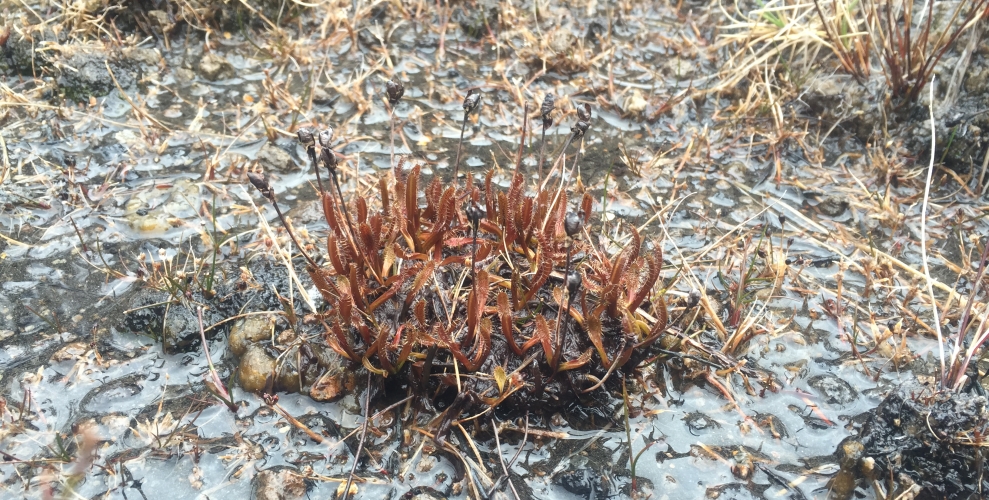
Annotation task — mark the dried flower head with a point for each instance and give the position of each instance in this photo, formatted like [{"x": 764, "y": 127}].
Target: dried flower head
[
  {"x": 574, "y": 282},
  {"x": 472, "y": 101},
  {"x": 395, "y": 89},
  {"x": 573, "y": 223},
  {"x": 328, "y": 158},
  {"x": 549, "y": 104},
  {"x": 693, "y": 299},
  {"x": 261, "y": 184},
  {"x": 584, "y": 114},
  {"x": 305, "y": 136},
  {"x": 474, "y": 214},
  {"x": 579, "y": 129},
  {"x": 325, "y": 136}
]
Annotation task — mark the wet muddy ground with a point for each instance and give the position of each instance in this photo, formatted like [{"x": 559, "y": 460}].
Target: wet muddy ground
[{"x": 125, "y": 150}]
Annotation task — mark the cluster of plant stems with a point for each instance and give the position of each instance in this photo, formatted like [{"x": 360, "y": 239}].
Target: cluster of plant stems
[{"x": 463, "y": 285}]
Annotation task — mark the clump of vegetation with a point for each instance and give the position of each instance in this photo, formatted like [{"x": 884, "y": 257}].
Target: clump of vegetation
[
  {"x": 779, "y": 47},
  {"x": 496, "y": 293},
  {"x": 907, "y": 53}
]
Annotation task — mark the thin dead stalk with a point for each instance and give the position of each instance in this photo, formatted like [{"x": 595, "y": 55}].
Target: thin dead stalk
[
  {"x": 221, "y": 390},
  {"x": 929, "y": 283}
]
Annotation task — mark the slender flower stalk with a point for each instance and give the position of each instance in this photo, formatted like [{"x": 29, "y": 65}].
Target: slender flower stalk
[
  {"x": 329, "y": 159},
  {"x": 549, "y": 104},
  {"x": 580, "y": 130},
  {"x": 577, "y": 132},
  {"x": 262, "y": 185},
  {"x": 474, "y": 214},
  {"x": 471, "y": 103},
  {"x": 572, "y": 224},
  {"x": 395, "y": 90},
  {"x": 305, "y": 135}
]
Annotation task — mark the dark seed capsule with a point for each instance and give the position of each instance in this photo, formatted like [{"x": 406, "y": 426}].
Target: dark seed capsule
[
  {"x": 325, "y": 136},
  {"x": 474, "y": 214},
  {"x": 573, "y": 223},
  {"x": 584, "y": 114},
  {"x": 305, "y": 135},
  {"x": 782, "y": 220},
  {"x": 573, "y": 282},
  {"x": 328, "y": 158},
  {"x": 261, "y": 184},
  {"x": 395, "y": 89},
  {"x": 579, "y": 129},
  {"x": 472, "y": 100},
  {"x": 549, "y": 104}
]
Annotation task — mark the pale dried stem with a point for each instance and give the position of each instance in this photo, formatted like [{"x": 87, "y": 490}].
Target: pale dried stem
[{"x": 923, "y": 239}]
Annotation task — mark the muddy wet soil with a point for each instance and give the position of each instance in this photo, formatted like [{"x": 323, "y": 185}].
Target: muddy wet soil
[{"x": 124, "y": 195}]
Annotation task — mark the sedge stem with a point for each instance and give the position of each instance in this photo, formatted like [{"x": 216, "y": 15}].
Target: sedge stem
[
  {"x": 558, "y": 351},
  {"x": 311, "y": 151},
  {"x": 542, "y": 151}
]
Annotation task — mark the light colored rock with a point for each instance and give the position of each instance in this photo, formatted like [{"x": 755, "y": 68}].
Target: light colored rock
[
  {"x": 215, "y": 67},
  {"x": 272, "y": 157},
  {"x": 248, "y": 331},
  {"x": 254, "y": 368}
]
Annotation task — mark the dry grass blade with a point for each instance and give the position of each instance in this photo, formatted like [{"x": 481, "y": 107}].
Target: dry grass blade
[
  {"x": 6, "y": 160},
  {"x": 923, "y": 241},
  {"x": 909, "y": 57},
  {"x": 848, "y": 40},
  {"x": 761, "y": 39}
]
